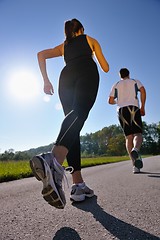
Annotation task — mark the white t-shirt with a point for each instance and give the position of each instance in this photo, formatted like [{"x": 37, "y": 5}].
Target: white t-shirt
[{"x": 126, "y": 92}]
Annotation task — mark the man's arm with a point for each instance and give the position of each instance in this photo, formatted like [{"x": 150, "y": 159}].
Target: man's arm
[
  {"x": 111, "y": 100},
  {"x": 143, "y": 100}
]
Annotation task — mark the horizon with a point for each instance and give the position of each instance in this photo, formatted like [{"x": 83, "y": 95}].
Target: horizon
[{"x": 12, "y": 150}]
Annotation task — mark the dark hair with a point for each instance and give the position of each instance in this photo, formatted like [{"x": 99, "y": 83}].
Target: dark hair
[
  {"x": 71, "y": 27},
  {"x": 124, "y": 72}
]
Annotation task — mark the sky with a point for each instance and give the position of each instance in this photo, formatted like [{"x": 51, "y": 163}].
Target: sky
[{"x": 129, "y": 34}]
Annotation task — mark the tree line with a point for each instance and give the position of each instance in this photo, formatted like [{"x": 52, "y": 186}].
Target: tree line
[
  {"x": 110, "y": 141},
  {"x": 106, "y": 142}
]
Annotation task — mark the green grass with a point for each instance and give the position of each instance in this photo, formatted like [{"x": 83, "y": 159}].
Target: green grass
[
  {"x": 13, "y": 170},
  {"x": 88, "y": 162}
]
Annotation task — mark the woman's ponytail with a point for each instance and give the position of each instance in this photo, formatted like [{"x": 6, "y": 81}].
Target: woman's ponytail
[
  {"x": 71, "y": 27},
  {"x": 68, "y": 31}
]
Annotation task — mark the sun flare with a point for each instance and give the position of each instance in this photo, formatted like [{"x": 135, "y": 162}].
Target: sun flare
[{"x": 23, "y": 85}]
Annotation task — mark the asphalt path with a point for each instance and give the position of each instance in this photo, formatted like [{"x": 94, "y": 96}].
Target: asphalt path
[{"x": 126, "y": 206}]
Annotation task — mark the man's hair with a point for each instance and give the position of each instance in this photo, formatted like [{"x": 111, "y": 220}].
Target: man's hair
[{"x": 124, "y": 72}]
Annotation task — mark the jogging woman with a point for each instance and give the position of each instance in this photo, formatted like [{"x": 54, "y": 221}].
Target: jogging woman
[{"x": 78, "y": 87}]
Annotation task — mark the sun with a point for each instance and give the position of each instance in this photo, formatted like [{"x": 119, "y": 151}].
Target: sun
[{"x": 23, "y": 85}]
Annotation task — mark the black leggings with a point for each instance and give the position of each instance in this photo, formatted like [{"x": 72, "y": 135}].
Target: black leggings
[{"x": 78, "y": 87}]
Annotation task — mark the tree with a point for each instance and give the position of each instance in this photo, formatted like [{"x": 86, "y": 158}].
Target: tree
[
  {"x": 116, "y": 146},
  {"x": 151, "y": 138}
]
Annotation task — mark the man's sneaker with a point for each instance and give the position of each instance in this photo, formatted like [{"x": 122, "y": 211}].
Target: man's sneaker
[
  {"x": 46, "y": 169},
  {"x": 136, "y": 170},
  {"x": 137, "y": 158},
  {"x": 78, "y": 193}
]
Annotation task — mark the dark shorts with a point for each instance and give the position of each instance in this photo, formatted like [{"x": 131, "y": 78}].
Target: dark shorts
[{"x": 130, "y": 120}]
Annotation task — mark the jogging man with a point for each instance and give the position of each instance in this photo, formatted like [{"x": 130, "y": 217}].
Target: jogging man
[{"x": 124, "y": 93}]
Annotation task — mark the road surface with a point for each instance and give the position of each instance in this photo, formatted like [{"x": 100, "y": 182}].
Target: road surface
[{"x": 126, "y": 206}]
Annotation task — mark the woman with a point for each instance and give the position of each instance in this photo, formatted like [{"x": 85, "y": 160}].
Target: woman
[{"x": 78, "y": 86}]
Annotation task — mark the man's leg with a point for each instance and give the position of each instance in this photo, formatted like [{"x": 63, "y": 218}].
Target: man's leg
[
  {"x": 129, "y": 146},
  {"x": 137, "y": 141}
]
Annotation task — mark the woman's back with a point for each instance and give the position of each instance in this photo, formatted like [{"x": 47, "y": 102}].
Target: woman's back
[{"x": 77, "y": 48}]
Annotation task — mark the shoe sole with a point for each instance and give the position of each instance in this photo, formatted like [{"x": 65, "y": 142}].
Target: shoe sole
[
  {"x": 138, "y": 164},
  {"x": 136, "y": 172},
  {"x": 134, "y": 155},
  {"x": 42, "y": 172},
  {"x": 80, "y": 198}
]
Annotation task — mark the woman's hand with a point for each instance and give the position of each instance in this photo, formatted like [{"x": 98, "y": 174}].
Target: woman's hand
[{"x": 48, "y": 88}]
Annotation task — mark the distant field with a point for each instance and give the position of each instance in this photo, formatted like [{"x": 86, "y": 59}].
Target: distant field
[{"x": 13, "y": 170}]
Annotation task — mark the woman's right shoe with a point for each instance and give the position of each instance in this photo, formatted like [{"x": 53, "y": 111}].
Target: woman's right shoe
[{"x": 78, "y": 193}]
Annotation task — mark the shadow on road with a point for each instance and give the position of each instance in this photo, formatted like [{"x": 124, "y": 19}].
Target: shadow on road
[
  {"x": 151, "y": 174},
  {"x": 115, "y": 226},
  {"x": 154, "y": 176},
  {"x": 66, "y": 233}
]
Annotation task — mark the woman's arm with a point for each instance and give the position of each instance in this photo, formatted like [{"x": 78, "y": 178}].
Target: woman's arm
[
  {"x": 42, "y": 56},
  {"x": 96, "y": 48}
]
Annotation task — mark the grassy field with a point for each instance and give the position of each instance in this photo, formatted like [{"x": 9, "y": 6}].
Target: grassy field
[{"x": 13, "y": 170}]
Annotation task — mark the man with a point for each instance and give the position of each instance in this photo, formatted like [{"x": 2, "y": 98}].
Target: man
[{"x": 125, "y": 94}]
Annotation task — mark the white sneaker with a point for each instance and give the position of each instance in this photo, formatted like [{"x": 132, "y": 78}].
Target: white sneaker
[
  {"x": 78, "y": 193},
  {"x": 136, "y": 170},
  {"x": 46, "y": 169}
]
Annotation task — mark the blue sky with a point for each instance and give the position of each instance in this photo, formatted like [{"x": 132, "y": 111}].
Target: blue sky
[{"x": 129, "y": 34}]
